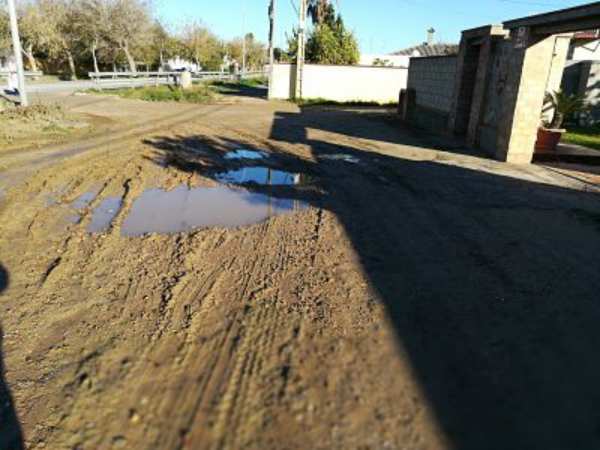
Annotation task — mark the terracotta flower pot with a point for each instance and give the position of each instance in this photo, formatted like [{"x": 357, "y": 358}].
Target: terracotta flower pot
[{"x": 547, "y": 140}]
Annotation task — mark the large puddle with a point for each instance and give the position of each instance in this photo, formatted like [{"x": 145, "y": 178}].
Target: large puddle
[
  {"x": 84, "y": 200},
  {"x": 341, "y": 157},
  {"x": 259, "y": 175},
  {"x": 243, "y": 153},
  {"x": 185, "y": 209},
  {"x": 104, "y": 214}
]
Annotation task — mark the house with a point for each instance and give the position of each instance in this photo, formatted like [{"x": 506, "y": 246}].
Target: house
[
  {"x": 429, "y": 48},
  {"x": 178, "y": 64},
  {"x": 582, "y": 72},
  {"x": 585, "y": 46}
]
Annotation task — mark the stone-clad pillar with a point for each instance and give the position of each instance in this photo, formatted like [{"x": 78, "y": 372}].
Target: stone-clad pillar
[
  {"x": 529, "y": 69},
  {"x": 496, "y": 33}
]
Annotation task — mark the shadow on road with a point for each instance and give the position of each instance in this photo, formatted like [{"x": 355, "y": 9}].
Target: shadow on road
[
  {"x": 11, "y": 437},
  {"x": 491, "y": 282}
]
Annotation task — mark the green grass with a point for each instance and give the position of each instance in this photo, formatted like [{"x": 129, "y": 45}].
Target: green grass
[
  {"x": 44, "y": 79},
  {"x": 254, "y": 82},
  {"x": 235, "y": 87},
  {"x": 587, "y": 137},
  {"x": 197, "y": 94}
]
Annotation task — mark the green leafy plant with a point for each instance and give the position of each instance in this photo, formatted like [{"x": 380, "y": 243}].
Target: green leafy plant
[
  {"x": 329, "y": 42},
  {"x": 563, "y": 105},
  {"x": 201, "y": 93}
]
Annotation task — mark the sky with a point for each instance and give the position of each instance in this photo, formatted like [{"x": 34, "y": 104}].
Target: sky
[{"x": 381, "y": 26}]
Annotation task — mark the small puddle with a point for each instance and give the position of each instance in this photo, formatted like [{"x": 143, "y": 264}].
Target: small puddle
[
  {"x": 341, "y": 157},
  {"x": 260, "y": 175},
  {"x": 84, "y": 200},
  {"x": 243, "y": 153},
  {"x": 185, "y": 209},
  {"x": 104, "y": 214}
]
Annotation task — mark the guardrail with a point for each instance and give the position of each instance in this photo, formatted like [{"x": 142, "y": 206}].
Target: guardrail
[
  {"x": 29, "y": 74},
  {"x": 137, "y": 78}
]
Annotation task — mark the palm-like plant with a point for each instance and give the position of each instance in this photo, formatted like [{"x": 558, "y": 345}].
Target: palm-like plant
[
  {"x": 563, "y": 105},
  {"x": 320, "y": 11}
]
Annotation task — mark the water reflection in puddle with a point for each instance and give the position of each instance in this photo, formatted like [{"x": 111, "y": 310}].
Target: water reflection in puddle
[
  {"x": 184, "y": 209},
  {"x": 84, "y": 200},
  {"x": 259, "y": 175},
  {"x": 104, "y": 213},
  {"x": 341, "y": 157},
  {"x": 243, "y": 153}
]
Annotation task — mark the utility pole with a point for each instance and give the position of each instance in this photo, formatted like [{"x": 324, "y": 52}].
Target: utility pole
[
  {"x": 271, "y": 44},
  {"x": 243, "y": 37},
  {"x": 301, "y": 48},
  {"x": 16, "y": 41}
]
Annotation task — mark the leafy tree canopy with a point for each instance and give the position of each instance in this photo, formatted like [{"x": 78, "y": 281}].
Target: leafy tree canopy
[{"x": 329, "y": 42}]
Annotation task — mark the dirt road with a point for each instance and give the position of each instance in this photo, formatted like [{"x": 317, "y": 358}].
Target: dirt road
[{"x": 389, "y": 296}]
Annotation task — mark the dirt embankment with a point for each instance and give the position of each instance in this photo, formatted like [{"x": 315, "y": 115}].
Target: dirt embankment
[
  {"x": 413, "y": 301},
  {"x": 218, "y": 338}
]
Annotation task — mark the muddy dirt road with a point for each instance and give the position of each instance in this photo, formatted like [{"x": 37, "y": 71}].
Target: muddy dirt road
[{"x": 361, "y": 290}]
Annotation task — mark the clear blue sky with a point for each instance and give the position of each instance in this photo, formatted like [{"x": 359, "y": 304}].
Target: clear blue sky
[{"x": 381, "y": 26}]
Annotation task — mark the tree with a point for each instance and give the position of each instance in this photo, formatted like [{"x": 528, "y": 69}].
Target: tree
[
  {"x": 5, "y": 44},
  {"x": 202, "y": 46},
  {"x": 164, "y": 44},
  {"x": 93, "y": 25},
  {"x": 320, "y": 11},
  {"x": 65, "y": 34},
  {"x": 130, "y": 24},
  {"x": 256, "y": 52},
  {"x": 35, "y": 30},
  {"x": 328, "y": 42},
  {"x": 49, "y": 27}
]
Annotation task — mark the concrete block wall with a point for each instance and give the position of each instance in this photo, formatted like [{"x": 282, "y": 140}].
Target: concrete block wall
[
  {"x": 340, "y": 83},
  {"x": 529, "y": 67},
  {"x": 433, "y": 80}
]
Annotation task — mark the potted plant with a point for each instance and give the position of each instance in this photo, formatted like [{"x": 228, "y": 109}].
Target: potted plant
[{"x": 550, "y": 132}]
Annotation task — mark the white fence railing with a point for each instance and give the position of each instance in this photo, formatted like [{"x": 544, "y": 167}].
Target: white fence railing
[
  {"x": 143, "y": 78},
  {"x": 7, "y": 73}
]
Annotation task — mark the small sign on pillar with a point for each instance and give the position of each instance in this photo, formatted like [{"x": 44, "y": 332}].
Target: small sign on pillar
[{"x": 522, "y": 37}]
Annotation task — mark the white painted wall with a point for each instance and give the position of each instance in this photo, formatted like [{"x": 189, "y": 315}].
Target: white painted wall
[
  {"x": 391, "y": 60},
  {"x": 341, "y": 83},
  {"x": 282, "y": 82},
  {"x": 586, "y": 51}
]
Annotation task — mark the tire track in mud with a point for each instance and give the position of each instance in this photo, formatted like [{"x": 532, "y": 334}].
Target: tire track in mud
[
  {"x": 247, "y": 350},
  {"x": 36, "y": 160},
  {"x": 216, "y": 352},
  {"x": 217, "y": 359}
]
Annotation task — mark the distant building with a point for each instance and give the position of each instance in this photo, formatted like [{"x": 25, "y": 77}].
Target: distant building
[
  {"x": 582, "y": 71},
  {"x": 585, "y": 46},
  {"x": 179, "y": 64},
  {"x": 428, "y": 48}
]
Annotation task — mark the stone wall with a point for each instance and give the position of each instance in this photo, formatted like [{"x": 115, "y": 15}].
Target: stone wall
[
  {"x": 431, "y": 84},
  {"x": 432, "y": 80}
]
